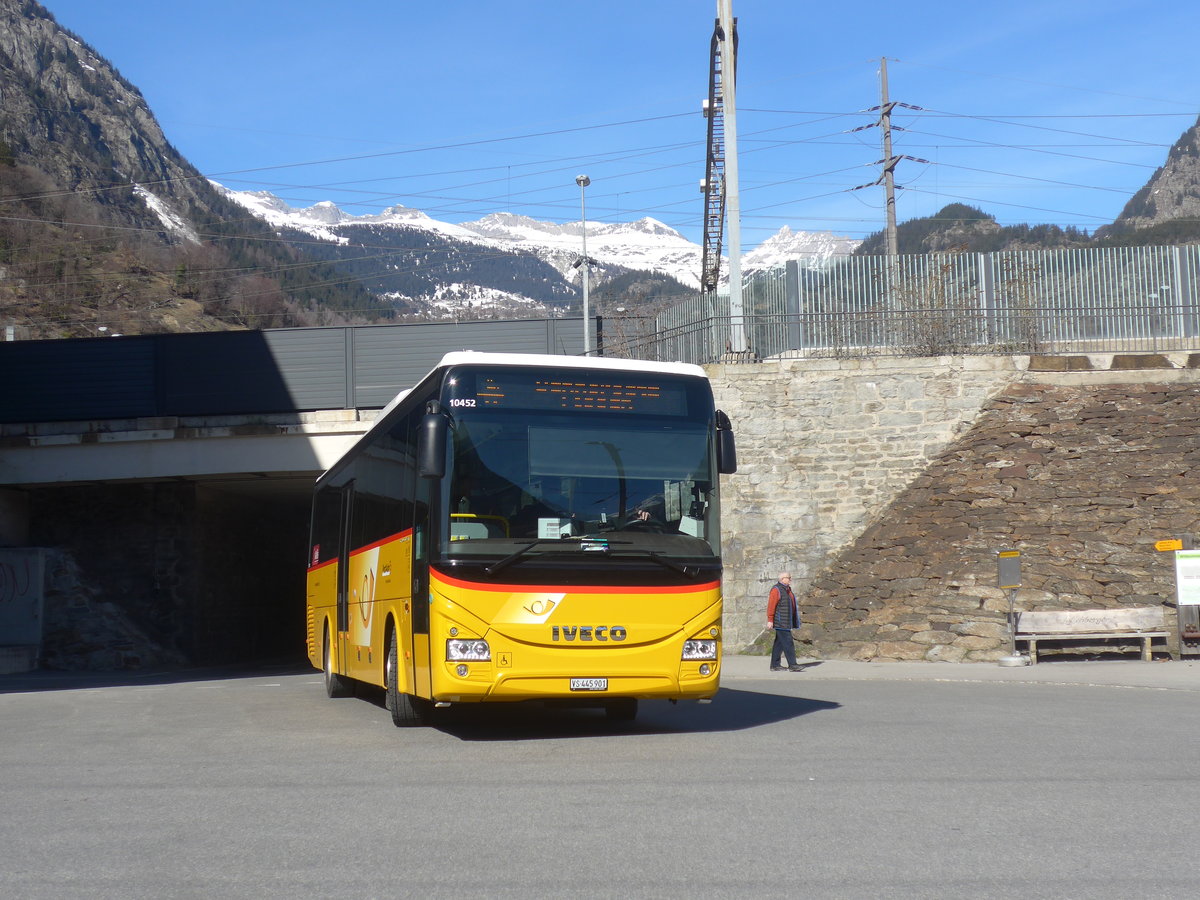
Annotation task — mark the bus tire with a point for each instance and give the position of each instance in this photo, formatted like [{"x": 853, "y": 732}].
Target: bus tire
[
  {"x": 624, "y": 709},
  {"x": 407, "y": 711},
  {"x": 335, "y": 685}
]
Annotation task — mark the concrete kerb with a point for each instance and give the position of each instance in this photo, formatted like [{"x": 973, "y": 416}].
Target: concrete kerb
[{"x": 1177, "y": 675}]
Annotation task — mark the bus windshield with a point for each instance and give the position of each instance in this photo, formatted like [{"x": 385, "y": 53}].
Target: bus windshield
[{"x": 641, "y": 483}]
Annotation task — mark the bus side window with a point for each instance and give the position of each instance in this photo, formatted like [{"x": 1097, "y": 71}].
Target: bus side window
[
  {"x": 383, "y": 491},
  {"x": 325, "y": 540}
]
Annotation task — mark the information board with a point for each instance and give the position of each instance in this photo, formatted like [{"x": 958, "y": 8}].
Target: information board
[{"x": 1187, "y": 577}]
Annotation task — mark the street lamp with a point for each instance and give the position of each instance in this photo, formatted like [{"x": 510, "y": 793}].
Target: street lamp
[{"x": 583, "y": 181}]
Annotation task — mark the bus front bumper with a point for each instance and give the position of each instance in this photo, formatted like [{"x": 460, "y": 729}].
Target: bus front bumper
[{"x": 488, "y": 682}]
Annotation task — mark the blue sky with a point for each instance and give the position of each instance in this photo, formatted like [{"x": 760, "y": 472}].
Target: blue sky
[{"x": 1049, "y": 111}]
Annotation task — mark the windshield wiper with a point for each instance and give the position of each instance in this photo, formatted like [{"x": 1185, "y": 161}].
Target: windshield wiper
[
  {"x": 510, "y": 559},
  {"x": 585, "y": 544},
  {"x": 669, "y": 563},
  {"x": 588, "y": 545}
]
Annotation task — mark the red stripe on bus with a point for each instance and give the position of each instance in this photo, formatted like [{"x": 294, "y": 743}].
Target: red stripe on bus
[
  {"x": 574, "y": 589},
  {"x": 379, "y": 543}
]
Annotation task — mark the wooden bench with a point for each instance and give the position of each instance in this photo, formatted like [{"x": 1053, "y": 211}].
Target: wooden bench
[{"x": 1127, "y": 624}]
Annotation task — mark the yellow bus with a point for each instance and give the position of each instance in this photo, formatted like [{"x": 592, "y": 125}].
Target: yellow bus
[{"x": 521, "y": 527}]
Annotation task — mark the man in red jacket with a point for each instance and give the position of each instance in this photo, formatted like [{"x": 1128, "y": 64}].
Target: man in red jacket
[{"x": 783, "y": 614}]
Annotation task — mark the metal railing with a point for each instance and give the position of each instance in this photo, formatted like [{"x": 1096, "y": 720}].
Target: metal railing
[{"x": 1113, "y": 299}]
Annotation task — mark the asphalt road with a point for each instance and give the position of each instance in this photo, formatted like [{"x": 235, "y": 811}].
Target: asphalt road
[{"x": 837, "y": 782}]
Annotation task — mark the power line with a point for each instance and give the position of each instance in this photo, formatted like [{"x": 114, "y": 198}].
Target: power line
[
  {"x": 1060, "y": 212},
  {"x": 1064, "y": 87},
  {"x": 978, "y": 118},
  {"x": 944, "y": 115},
  {"x": 1114, "y": 162},
  {"x": 328, "y": 161}
]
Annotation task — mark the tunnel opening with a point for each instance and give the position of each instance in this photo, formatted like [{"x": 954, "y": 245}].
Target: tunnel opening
[{"x": 172, "y": 573}]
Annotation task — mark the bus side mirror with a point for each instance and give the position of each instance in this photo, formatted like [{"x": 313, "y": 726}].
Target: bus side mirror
[
  {"x": 726, "y": 451},
  {"x": 431, "y": 442}
]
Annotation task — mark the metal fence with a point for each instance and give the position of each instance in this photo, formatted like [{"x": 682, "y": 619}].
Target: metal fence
[{"x": 1112, "y": 299}]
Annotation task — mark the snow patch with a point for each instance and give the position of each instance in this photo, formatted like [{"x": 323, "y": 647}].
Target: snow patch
[{"x": 171, "y": 220}]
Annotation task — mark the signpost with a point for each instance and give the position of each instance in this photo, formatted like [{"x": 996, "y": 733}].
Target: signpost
[{"x": 1008, "y": 578}]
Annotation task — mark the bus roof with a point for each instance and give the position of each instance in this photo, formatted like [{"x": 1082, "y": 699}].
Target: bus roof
[{"x": 481, "y": 358}]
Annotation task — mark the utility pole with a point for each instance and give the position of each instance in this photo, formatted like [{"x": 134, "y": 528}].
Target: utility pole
[
  {"x": 733, "y": 201},
  {"x": 889, "y": 161},
  {"x": 720, "y": 185},
  {"x": 583, "y": 181},
  {"x": 713, "y": 185}
]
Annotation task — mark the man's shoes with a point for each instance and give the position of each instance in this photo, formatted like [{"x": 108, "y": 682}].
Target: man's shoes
[
  {"x": 795, "y": 668},
  {"x": 777, "y": 668}
]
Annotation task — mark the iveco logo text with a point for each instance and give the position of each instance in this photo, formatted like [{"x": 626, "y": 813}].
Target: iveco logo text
[{"x": 587, "y": 633}]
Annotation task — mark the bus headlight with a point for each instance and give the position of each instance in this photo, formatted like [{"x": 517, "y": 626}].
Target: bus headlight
[
  {"x": 459, "y": 650},
  {"x": 699, "y": 649}
]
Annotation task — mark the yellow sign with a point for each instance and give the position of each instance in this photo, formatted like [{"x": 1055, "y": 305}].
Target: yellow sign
[
  {"x": 1008, "y": 565},
  {"x": 1164, "y": 546}
]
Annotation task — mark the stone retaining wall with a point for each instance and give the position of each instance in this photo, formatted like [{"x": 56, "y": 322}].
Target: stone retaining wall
[
  {"x": 887, "y": 487},
  {"x": 823, "y": 447}
]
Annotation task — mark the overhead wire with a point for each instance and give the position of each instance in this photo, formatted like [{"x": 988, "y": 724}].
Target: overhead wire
[
  {"x": 452, "y": 203},
  {"x": 357, "y": 158}
]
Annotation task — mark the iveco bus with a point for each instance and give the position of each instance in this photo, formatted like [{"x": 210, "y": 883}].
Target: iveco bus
[{"x": 525, "y": 528}]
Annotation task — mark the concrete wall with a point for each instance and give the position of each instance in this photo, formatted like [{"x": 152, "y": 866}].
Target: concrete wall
[{"x": 22, "y": 587}]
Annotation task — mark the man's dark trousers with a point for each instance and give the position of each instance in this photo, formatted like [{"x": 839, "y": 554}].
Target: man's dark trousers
[{"x": 783, "y": 643}]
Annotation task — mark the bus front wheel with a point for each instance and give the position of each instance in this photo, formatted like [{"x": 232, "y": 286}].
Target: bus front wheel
[
  {"x": 335, "y": 685},
  {"x": 407, "y": 711}
]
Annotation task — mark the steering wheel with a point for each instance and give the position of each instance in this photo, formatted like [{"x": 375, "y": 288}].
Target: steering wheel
[{"x": 650, "y": 526}]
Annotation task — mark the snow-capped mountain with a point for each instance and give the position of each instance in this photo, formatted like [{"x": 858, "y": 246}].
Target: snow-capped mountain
[
  {"x": 646, "y": 245},
  {"x": 813, "y": 250},
  {"x": 322, "y": 219},
  {"x": 643, "y": 245}
]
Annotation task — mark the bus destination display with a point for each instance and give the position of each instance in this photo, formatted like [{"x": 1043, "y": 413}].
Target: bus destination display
[{"x": 565, "y": 391}]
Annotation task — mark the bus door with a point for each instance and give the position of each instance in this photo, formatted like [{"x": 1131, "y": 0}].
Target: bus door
[
  {"x": 342, "y": 640},
  {"x": 421, "y": 548}
]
